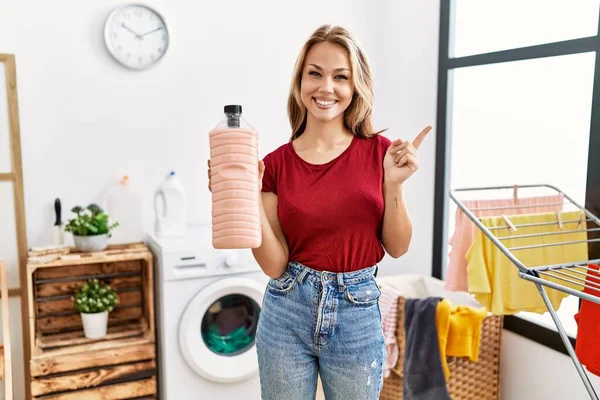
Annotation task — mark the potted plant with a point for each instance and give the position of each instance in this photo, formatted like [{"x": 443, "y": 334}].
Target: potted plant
[
  {"x": 94, "y": 301},
  {"x": 90, "y": 228}
]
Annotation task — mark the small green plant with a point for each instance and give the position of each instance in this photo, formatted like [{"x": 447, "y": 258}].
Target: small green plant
[
  {"x": 95, "y": 297},
  {"x": 89, "y": 221}
]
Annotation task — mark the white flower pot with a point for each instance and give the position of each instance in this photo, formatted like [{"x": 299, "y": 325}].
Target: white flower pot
[
  {"x": 91, "y": 243},
  {"x": 94, "y": 325}
]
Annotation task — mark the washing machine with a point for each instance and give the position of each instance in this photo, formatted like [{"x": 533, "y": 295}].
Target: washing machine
[{"x": 208, "y": 306}]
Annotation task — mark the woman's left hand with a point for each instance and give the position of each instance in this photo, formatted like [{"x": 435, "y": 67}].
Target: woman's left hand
[{"x": 401, "y": 159}]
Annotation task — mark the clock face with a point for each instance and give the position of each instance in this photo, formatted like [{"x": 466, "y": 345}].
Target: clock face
[{"x": 136, "y": 36}]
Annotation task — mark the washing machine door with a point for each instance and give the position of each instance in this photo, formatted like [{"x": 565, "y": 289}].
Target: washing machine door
[{"x": 218, "y": 327}]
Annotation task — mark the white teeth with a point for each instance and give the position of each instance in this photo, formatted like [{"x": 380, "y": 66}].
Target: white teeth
[{"x": 325, "y": 102}]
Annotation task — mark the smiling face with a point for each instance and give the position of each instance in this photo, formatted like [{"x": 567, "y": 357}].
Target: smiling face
[{"x": 326, "y": 89}]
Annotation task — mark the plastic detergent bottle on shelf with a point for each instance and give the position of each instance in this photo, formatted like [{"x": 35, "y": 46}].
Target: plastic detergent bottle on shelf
[
  {"x": 170, "y": 207},
  {"x": 123, "y": 204},
  {"x": 234, "y": 182}
]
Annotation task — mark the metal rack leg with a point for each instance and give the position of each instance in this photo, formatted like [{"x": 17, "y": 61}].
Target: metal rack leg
[{"x": 567, "y": 342}]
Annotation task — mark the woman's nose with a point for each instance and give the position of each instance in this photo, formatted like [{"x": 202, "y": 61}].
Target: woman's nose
[{"x": 327, "y": 86}]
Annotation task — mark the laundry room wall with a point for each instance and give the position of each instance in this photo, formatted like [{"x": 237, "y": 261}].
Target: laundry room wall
[
  {"x": 86, "y": 121},
  {"x": 406, "y": 67}
]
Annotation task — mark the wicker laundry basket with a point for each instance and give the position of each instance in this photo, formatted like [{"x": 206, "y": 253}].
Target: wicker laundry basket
[{"x": 468, "y": 380}]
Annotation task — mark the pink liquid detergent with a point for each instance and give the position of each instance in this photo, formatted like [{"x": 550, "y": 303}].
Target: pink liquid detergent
[{"x": 234, "y": 182}]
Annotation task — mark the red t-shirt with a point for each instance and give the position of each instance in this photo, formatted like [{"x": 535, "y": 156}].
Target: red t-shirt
[
  {"x": 587, "y": 345},
  {"x": 332, "y": 213}
]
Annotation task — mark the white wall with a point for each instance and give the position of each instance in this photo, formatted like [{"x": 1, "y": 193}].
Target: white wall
[
  {"x": 530, "y": 371},
  {"x": 86, "y": 121},
  {"x": 146, "y": 123},
  {"x": 406, "y": 64}
]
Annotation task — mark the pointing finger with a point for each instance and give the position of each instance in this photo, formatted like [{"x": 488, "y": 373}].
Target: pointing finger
[{"x": 421, "y": 136}]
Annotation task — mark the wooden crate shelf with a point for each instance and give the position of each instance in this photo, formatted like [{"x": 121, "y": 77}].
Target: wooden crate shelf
[
  {"x": 74, "y": 338},
  {"x": 65, "y": 364}
]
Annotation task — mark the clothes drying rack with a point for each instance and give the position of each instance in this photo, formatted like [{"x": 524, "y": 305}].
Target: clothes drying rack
[{"x": 560, "y": 272}]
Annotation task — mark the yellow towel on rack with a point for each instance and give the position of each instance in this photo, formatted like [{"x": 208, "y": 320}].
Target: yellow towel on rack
[
  {"x": 494, "y": 279},
  {"x": 459, "y": 331}
]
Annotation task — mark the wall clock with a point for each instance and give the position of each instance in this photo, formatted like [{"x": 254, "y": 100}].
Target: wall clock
[{"x": 136, "y": 36}]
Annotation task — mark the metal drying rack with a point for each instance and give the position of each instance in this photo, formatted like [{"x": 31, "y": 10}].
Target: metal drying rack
[{"x": 561, "y": 272}]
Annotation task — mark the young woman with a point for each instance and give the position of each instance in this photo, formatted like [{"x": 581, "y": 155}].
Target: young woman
[{"x": 332, "y": 204}]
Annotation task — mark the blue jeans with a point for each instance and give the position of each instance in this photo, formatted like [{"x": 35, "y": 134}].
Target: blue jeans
[{"x": 321, "y": 322}]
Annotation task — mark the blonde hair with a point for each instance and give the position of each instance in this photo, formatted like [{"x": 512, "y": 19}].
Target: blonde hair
[{"x": 357, "y": 117}]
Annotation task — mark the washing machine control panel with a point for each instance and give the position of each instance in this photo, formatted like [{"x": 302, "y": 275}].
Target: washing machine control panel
[
  {"x": 188, "y": 264},
  {"x": 194, "y": 257}
]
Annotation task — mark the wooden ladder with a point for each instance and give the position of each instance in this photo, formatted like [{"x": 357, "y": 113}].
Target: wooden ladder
[{"x": 6, "y": 362}]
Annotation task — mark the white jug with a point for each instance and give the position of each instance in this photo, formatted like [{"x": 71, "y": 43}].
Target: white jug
[
  {"x": 123, "y": 203},
  {"x": 171, "y": 216}
]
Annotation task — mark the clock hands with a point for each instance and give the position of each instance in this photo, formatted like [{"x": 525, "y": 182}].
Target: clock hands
[
  {"x": 154, "y": 30},
  {"x": 130, "y": 30},
  {"x": 138, "y": 36}
]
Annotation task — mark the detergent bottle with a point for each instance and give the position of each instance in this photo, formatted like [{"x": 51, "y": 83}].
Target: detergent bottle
[
  {"x": 123, "y": 204},
  {"x": 234, "y": 182},
  {"x": 170, "y": 207}
]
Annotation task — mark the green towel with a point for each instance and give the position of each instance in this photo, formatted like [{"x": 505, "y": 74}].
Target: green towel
[{"x": 234, "y": 341}]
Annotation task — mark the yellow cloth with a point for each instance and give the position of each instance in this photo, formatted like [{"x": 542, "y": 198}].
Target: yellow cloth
[
  {"x": 459, "y": 331},
  {"x": 494, "y": 280}
]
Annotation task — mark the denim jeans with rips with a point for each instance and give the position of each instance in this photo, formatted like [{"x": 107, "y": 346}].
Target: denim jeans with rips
[{"x": 326, "y": 323}]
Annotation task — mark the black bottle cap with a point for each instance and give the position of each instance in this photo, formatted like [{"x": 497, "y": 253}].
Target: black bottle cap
[{"x": 233, "y": 109}]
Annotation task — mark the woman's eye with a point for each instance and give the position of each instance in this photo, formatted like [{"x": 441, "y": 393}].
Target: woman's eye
[{"x": 338, "y": 77}]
